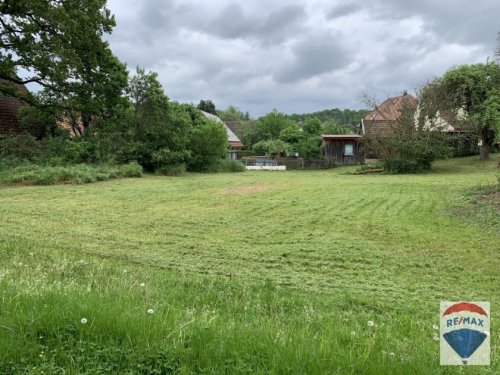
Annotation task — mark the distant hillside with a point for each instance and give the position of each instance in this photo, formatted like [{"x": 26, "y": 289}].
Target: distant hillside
[{"x": 347, "y": 118}]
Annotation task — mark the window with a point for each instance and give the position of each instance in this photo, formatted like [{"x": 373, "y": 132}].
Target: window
[{"x": 349, "y": 149}]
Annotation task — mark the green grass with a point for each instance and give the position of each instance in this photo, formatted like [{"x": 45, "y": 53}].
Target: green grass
[{"x": 259, "y": 273}]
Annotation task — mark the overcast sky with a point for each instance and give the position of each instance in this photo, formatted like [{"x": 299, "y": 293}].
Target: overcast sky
[{"x": 300, "y": 56}]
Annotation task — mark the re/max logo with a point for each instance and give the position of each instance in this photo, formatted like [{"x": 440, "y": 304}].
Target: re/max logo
[{"x": 464, "y": 320}]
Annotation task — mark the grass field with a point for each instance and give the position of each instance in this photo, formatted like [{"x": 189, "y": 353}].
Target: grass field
[{"x": 259, "y": 273}]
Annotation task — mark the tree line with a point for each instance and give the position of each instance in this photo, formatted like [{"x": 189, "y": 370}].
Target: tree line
[{"x": 59, "y": 46}]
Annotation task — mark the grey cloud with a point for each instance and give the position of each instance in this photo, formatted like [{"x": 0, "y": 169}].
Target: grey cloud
[
  {"x": 234, "y": 22},
  {"x": 303, "y": 55},
  {"x": 314, "y": 56},
  {"x": 342, "y": 10}
]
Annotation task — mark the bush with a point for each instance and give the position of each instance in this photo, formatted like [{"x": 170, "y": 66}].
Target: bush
[
  {"x": 130, "y": 170},
  {"x": 79, "y": 174},
  {"x": 172, "y": 170},
  {"x": 226, "y": 166},
  {"x": 208, "y": 144},
  {"x": 21, "y": 147}
]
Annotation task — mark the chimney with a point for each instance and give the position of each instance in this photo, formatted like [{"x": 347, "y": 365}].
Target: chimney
[{"x": 405, "y": 92}]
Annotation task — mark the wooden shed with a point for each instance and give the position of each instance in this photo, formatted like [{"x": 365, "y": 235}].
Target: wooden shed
[{"x": 344, "y": 149}]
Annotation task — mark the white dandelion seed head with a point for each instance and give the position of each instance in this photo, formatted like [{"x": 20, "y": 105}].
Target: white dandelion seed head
[
  {"x": 84, "y": 321},
  {"x": 370, "y": 323},
  {"x": 353, "y": 333},
  {"x": 150, "y": 311},
  {"x": 435, "y": 338},
  {"x": 391, "y": 354},
  {"x": 142, "y": 285},
  {"x": 435, "y": 327}
]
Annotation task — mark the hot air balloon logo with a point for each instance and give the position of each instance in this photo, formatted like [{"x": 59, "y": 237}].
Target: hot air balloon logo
[{"x": 465, "y": 328}]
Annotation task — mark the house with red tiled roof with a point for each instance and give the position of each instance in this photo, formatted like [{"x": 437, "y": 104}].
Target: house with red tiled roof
[
  {"x": 9, "y": 111},
  {"x": 386, "y": 116}
]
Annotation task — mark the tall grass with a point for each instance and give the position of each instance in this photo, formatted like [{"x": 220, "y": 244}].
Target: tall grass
[{"x": 79, "y": 174}]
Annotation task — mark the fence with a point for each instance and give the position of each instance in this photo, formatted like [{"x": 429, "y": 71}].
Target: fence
[{"x": 295, "y": 163}]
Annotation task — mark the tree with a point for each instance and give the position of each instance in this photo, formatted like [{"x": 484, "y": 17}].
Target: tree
[
  {"x": 332, "y": 127},
  {"x": 160, "y": 130},
  {"x": 58, "y": 45},
  {"x": 207, "y": 145},
  {"x": 272, "y": 147},
  {"x": 207, "y": 106},
  {"x": 471, "y": 95},
  {"x": 407, "y": 148},
  {"x": 233, "y": 113}
]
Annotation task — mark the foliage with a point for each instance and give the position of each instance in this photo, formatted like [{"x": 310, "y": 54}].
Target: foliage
[
  {"x": 60, "y": 47},
  {"x": 20, "y": 147},
  {"x": 226, "y": 166},
  {"x": 207, "y": 144},
  {"x": 160, "y": 129},
  {"x": 347, "y": 119},
  {"x": 207, "y": 106},
  {"x": 247, "y": 273},
  {"x": 268, "y": 127},
  {"x": 332, "y": 127},
  {"x": 272, "y": 148},
  {"x": 172, "y": 169},
  {"x": 408, "y": 148},
  {"x": 233, "y": 113},
  {"x": 79, "y": 173},
  {"x": 470, "y": 94},
  {"x": 39, "y": 123}
]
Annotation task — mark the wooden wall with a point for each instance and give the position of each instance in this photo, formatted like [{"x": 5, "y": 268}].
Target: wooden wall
[{"x": 335, "y": 149}]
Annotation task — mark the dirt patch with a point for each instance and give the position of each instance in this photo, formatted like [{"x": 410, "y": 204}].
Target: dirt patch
[{"x": 246, "y": 189}]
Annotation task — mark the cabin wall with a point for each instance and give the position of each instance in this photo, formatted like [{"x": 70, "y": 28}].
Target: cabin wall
[{"x": 335, "y": 149}]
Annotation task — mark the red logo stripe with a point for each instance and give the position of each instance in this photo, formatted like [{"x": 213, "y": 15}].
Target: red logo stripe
[{"x": 465, "y": 306}]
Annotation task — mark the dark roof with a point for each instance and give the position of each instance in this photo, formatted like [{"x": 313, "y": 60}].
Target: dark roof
[
  {"x": 9, "y": 111},
  {"x": 391, "y": 108}
]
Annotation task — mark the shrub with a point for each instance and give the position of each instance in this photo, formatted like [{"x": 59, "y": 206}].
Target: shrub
[
  {"x": 21, "y": 147},
  {"x": 226, "y": 166},
  {"x": 207, "y": 145},
  {"x": 172, "y": 170},
  {"x": 132, "y": 169},
  {"x": 79, "y": 174}
]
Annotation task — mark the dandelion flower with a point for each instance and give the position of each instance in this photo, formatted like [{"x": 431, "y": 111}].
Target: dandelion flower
[
  {"x": 391, "y": 354},
  {"x": 435, "y": 327},
  {"x": 353, "y": 333},
  {"x": 435, "y": 338},
  {"x": 370, "y": 323},
  {"x": 142, "y": 285},
  {"x": 83, "y": 321},
  {"x": 151, "y": 311}
]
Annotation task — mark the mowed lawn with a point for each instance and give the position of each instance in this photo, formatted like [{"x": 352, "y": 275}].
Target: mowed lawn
[{"x": 255, "y": 272}]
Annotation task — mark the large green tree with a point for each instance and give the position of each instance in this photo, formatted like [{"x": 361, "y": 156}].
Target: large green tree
[
  {"x": 471, "y": 95},
  {"x": 58, "y": 45},
  {"x": 160, "y": 129}
]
